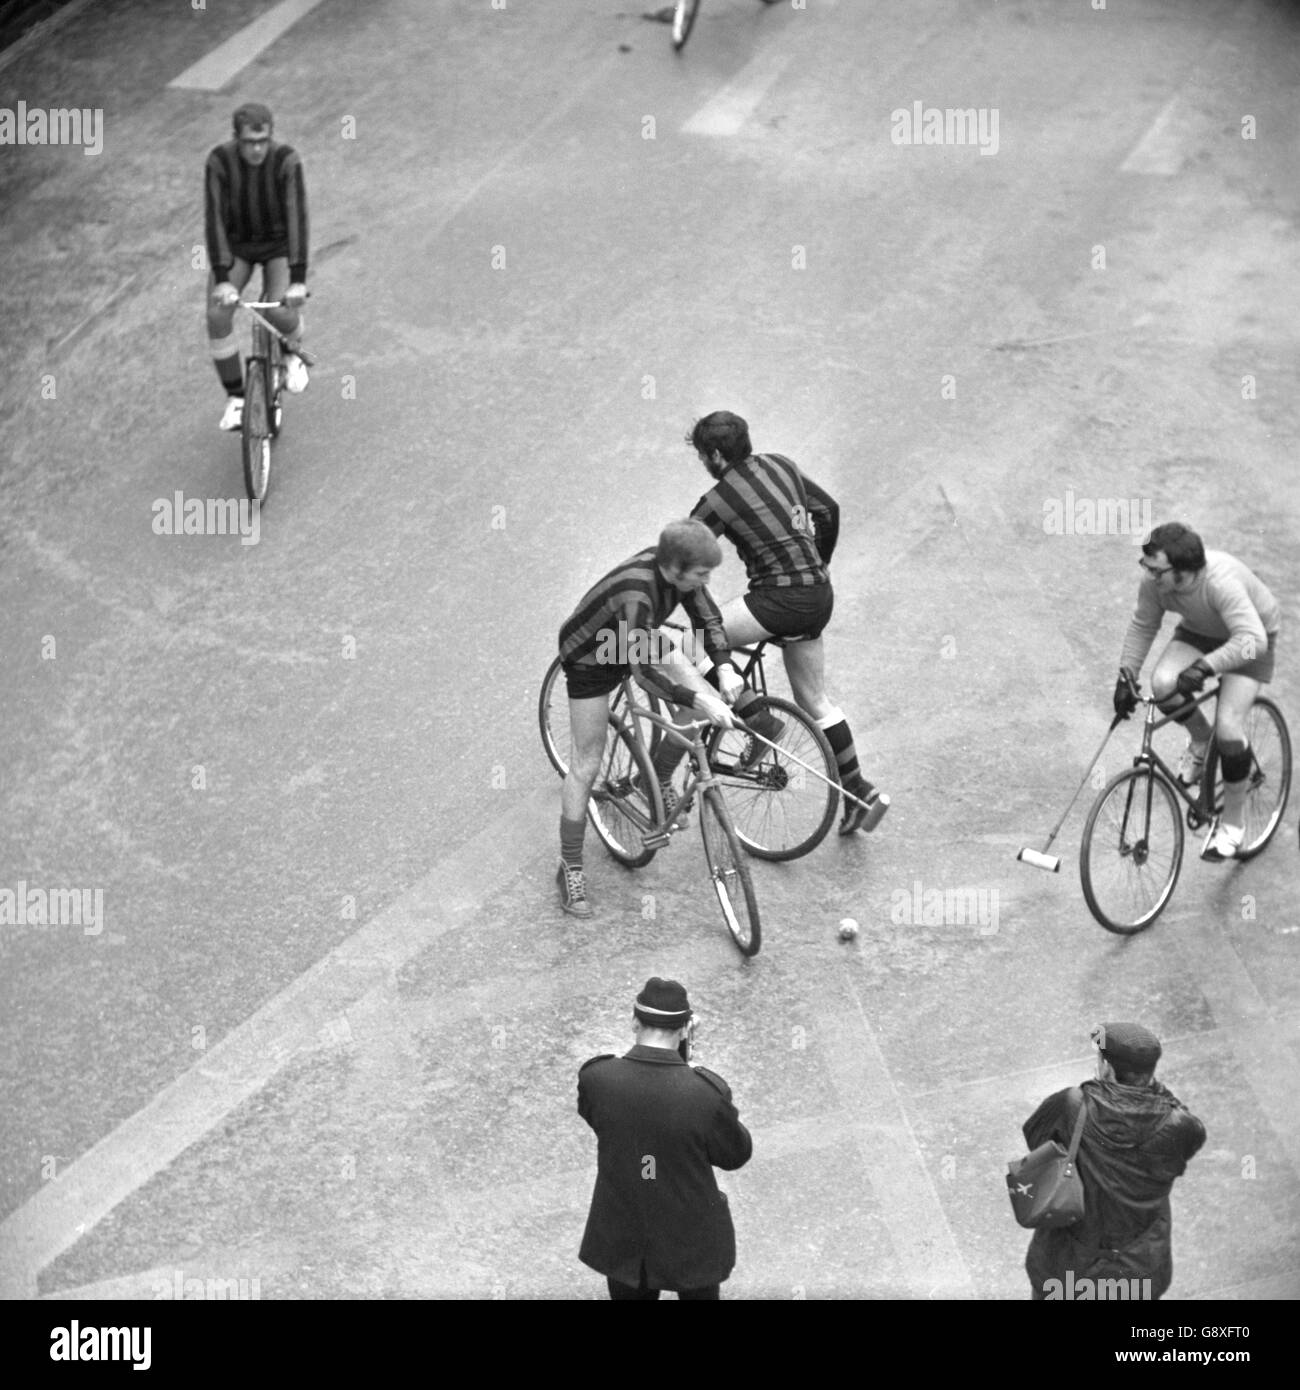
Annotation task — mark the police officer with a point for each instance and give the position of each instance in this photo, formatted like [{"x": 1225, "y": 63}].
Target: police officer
[{"x": 657, "y": 1219}]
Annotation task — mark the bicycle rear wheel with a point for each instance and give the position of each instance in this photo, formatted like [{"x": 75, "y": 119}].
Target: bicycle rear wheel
[
  {"x": 626, "y": 802},
  {"x": 1269, "y": 785},
  {"x": 684, "y": 12},
  {"x": 1132, "y": 851},
  {"x": 729, "y": 873},
  {"x": 553, "y": 717},
  {"x": 256, "y": 431},
  {"x": 779, "y": 809}
]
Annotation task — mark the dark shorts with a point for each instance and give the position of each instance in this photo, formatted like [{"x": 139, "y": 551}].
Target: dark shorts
[
  {"x": 1261, "y": 669},
  {"x": 797, "y": 612},
  {"x": 585, "y": 682}
]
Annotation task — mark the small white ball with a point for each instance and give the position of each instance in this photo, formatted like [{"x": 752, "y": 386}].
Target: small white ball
[{"x": 848, "y": 929}]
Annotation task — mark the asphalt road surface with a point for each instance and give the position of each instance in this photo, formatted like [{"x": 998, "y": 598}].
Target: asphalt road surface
[{"x": 325, "y": 1036}]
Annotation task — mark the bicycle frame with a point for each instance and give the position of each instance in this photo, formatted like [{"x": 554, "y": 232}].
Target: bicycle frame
[
  {"x": 1147, "y": 755},
  {"x": 700, "y": 774}
]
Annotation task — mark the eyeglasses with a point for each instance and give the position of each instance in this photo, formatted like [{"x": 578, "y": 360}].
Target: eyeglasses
[{"x": 1152, "y": 571}]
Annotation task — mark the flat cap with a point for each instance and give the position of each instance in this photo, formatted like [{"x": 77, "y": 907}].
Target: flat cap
[{"x": 1129, "y": 1045}]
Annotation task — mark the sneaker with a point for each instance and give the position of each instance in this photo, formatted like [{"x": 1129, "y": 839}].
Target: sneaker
[
  {"x": 1223, "y": 843},
  {"x": 1191, "y": 763},
  {"x": 233, "y": 417},
  {"x": 857, "y": 817},
  {"x": 769, "y": 727},
  {"x": 573, "y": 890},
  {"x": 676, "y": 813},
  {"x": 295, "y": 374}
]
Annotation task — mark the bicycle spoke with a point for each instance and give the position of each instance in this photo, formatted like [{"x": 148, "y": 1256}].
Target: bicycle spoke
[{"x": 1131, "y": 851}]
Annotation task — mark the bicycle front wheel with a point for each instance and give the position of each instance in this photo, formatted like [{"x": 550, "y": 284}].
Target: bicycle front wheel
[
  {"x": 1269, "y": 784},
  {"x": 779, "y": 808},
  {"x": 256, "y": 431},
  {"x": 729, "y": 873},
  {"x": 1132, "y": 851},
  {"x": 626, "y": 802},
  {"x": 684, "y": 12}
]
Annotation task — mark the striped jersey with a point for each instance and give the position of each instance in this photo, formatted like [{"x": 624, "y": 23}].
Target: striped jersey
[
  {"x": 614, "y": 624},
  {"x": 1227, "y": 601},
  {"x": 255, "y": 212},
  {"x": 783, "y": 525}
]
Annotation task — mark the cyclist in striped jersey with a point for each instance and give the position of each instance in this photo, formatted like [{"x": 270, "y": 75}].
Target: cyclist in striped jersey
[
  {"x": 784, "y": 528},
  {"x": 255, "y": 213},
  {"x": 613, "y": 633}
]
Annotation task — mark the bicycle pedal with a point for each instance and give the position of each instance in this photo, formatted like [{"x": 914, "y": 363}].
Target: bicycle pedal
[{"x": 657, "y": 840}]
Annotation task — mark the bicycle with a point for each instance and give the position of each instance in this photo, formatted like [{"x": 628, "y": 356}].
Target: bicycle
[
  {"x": 264, "y": 373},
  {"x": 1132, "y": 848},
  {"x": 784, "y": 792},
  {"x": 626, "y": 810},
  {"x": 683, "y": 20}
]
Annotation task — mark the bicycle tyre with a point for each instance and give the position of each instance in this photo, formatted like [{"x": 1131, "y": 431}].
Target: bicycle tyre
[
  {"x": 256, "y": 434},
  {"x": 1105, "y": 843},
  {"x": 553, "y": 717},
  {"x": 779, "y": 810},
  {"x": 684, "y": 12},
  {"x": 275, "y": 391},
  {"x": 1270, "y": 748},
  {"x": 626, "y": 778},
  {"x": 729, "y": 873}
]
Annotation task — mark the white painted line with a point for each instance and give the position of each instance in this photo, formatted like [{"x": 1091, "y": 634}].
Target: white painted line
[
  {"x": 725, "y": 113},
  {"x": 1167, "y": 142},
  {"x": 918, "y": 1229},
  {"x": 294, "y": 1021},
  {"x": 212, "y": 73}
]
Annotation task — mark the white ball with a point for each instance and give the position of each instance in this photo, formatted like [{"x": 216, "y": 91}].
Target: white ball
[{"x": 848, "y": 929}]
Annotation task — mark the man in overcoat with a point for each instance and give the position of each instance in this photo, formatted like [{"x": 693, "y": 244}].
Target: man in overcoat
[
  {"x": 657, "y": 1219},
  {"x": 1137, "y": 1138}
]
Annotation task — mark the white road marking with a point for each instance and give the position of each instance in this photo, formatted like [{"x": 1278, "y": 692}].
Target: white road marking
[
  {"x": 725, "y": 113},
  {"x": 296, "y": 1020},
  {"x": 1167, "y": 142},
  {"x": 892, "y": 1159},
  {"x": 212, "y": 72}
]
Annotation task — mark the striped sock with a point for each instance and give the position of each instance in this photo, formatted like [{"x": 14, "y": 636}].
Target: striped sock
[
  {"x": 840, "y": 737},
  {"x": 226, "y": 359}
]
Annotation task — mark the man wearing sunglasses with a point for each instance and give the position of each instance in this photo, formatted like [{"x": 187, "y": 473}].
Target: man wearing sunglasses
[{"x": 1228, "y": 628}]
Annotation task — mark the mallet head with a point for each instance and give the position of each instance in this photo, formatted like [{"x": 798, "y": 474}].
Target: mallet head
[{"x": 1040, "y": 861}]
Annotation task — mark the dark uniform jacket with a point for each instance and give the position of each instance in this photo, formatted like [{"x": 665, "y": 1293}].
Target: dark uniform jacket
[
  {"x": 1136, "y": 1140},
  {"x": 662, "y": 1127}
]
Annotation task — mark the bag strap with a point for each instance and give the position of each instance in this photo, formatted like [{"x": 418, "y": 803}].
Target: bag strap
[{"x": 1078, "y": 1123}]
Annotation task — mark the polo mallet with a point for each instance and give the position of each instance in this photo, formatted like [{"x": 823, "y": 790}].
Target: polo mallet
[
  {"x": 1040, "y": 859},
  {"x": 807, "y": 767},
  {"x": 308, "y": 358}
]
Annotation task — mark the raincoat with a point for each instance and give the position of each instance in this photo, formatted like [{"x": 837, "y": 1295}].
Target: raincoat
[{"x": 1136, "y": 1140}]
